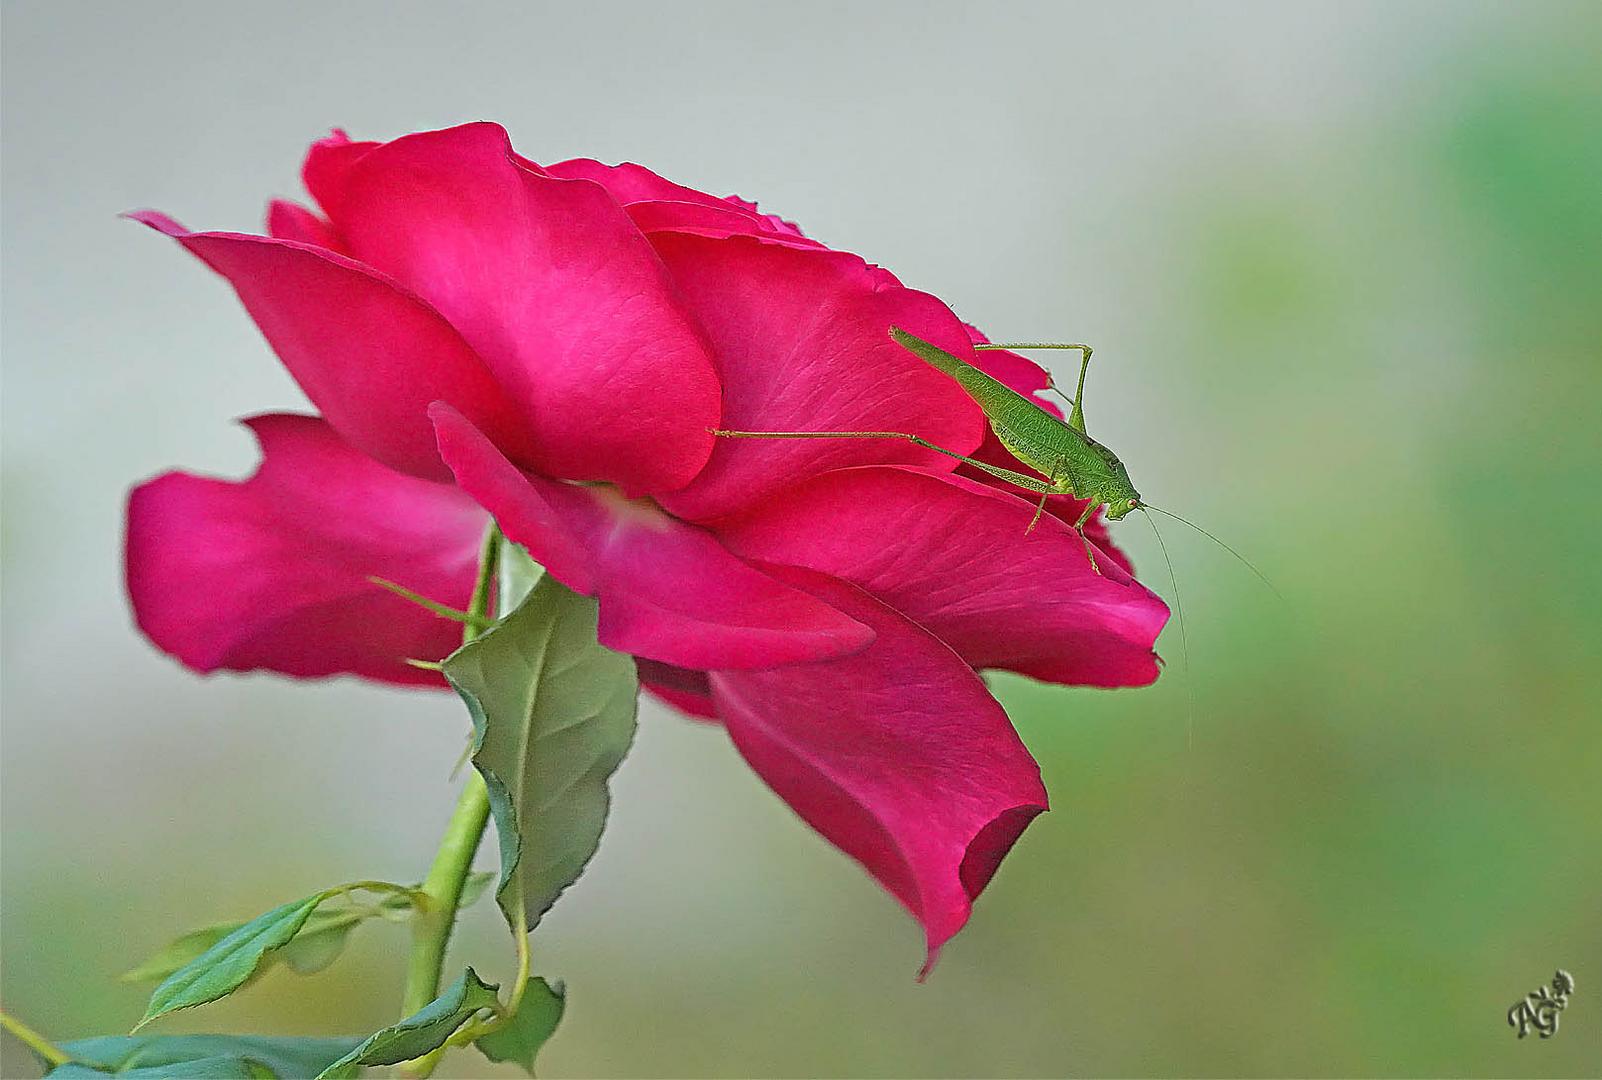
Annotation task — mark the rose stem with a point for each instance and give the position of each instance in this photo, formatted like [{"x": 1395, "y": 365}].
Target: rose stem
[{"x": 442, "y": 888}]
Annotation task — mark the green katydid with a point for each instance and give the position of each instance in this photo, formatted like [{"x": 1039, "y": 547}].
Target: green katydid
[{"x": 1068, "y": 460}]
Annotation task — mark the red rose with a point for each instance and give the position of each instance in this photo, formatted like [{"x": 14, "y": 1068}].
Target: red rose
[{"x": 551, "y": 345}]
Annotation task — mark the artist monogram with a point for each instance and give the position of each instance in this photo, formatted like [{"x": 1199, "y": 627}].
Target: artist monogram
[{"x": 1541, "y": 1007}]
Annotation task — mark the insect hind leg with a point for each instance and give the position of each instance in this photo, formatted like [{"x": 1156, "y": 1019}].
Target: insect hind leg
[
  {"x": 1012, "y": 476},
  {"x": 1076, "y": 419},
  {"x": 725, "y": 433}
]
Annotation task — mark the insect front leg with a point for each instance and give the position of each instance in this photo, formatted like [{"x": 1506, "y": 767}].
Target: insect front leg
[
  {"x": 1053, "y": 480},
  {"x": 1079, "y": 527}
]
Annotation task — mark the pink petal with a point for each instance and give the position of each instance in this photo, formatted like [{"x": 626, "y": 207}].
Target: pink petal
[
  {"x": 688, "y": 691},
  {"x": 271, "y": 572},
  {"x": 291, "y": 221},
  {"x": 775, "y": 223},
  {"x": 555, "y": 288},
  {"x": 327, "y": 166},
  {"x": 802, "y": 340},
  {"x": 631, "y": 183},
  {"x": 659, "y": 204},
  {"x": 897, "y": 755},
  {"x": 369, "y": 355},
  {"x": 714, "y": 221},
  {"x": 952, "y": 555},
  {"x": 668, "y": 591}
]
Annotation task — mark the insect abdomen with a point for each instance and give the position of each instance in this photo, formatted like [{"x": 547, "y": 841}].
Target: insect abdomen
[
  {"x": 1029, "y": 433},
  {"x": 1019, "y": 431}
]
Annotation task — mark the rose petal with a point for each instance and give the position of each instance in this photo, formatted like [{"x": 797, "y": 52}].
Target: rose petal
[
  {"x": 775, "y": 222},
  {"x": 688, "y": 691},
  {"x": 369, "y": 355},
  {"x": 700, "y": 219},
  {"x": 291, "y": 221},
  {"x": 272, "y": 572},
  {"x": 631, "y": 183},
  {"x": 961, "y": 565},
  {"x": 668, "y": 591},
  {"x": 897, "y": 755},
  {"x": 555, "y": 288},
  {"x": 802, "y": 341},
  {"x": 327, "y": 165},
  {"x": 656, "y": 203}
]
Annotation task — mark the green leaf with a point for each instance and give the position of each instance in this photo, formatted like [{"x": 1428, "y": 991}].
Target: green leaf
[
  {"x": 517, "y": 576},
  {"x": 318, "y": 944},
  {"x": 212, "y": 1055},
  {"x": 524, "y": 1033},
  {"x": 553, "y": 715},
  {"x": 323, "y": 938},
  {"x": 225, "y": 967},
  {"x": 325, "y": 934},
  {"x": 473, "y": 888},
  {"x": 312, "y": 950},
  {"x": 220, "y": 1067},
  {"x": 425, "y": 1030},
  {"x": 182, "y": 950}
]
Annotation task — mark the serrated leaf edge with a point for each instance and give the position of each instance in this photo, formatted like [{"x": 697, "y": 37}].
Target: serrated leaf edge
[{"x": 468, "y": 981}]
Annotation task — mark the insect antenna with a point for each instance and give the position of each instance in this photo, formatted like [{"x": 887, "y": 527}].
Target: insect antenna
[
  {"x": 1021, "y": 346},
  {"x": 1184, "y": 639},
  {"x": 1244, "y": 561}
]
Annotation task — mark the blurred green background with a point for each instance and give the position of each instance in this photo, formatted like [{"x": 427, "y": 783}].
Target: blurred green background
[{"x": 1342, "y": 264}]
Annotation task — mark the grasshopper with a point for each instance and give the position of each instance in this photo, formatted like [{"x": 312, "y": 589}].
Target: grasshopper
[{"x": 1068, "y": 460}]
